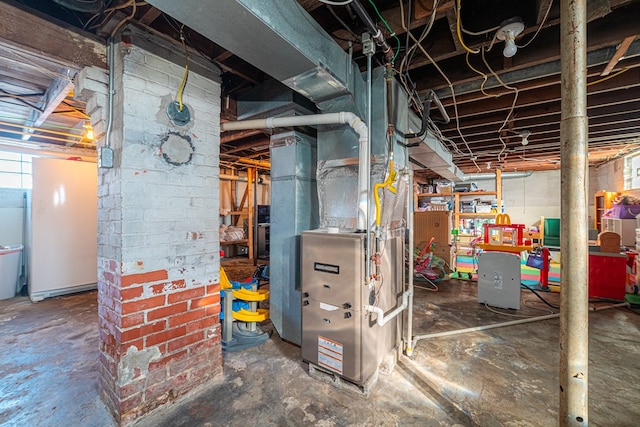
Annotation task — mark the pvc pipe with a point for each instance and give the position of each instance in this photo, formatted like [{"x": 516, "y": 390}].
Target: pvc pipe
[
  {"x": 384, "y": 319},
  {"x": 408, "y": 340},
  {"x": 500, "y": 325},
  {"x": 343, "y": 117}
]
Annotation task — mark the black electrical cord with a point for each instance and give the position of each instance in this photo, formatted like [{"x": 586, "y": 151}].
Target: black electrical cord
[{"x": 522, "y": 285}]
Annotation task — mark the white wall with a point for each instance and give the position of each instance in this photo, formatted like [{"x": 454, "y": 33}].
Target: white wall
[
  {"x": 11, "y": 216},
  {"x": 526, "y": 199}
]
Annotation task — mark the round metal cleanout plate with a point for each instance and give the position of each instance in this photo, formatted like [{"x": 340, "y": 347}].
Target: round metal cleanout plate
[{"x": 177, "y": 117}]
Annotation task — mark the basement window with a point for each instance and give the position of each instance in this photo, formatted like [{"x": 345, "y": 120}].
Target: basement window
[{"x": 15, "y": 170}]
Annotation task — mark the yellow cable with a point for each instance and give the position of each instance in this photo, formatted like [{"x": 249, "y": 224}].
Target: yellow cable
[
  {"x": 388, "y": 184},
  {"x": 186, "y": 70},
  {"x": 458, "y": 25},
  {"x": 608, "y": 77}
]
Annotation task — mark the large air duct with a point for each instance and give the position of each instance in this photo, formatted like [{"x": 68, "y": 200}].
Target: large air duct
[{"x": 284, "y": 41}]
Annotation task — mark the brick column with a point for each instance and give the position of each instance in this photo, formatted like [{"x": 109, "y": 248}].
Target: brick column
[{"x": 158, "y": 263}]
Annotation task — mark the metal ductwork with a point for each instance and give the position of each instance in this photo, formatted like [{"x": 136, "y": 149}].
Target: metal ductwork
[
  {"x": 280, "y": 38},
  {"x": 432, "y": 154},
  {"x": 284, "y": 41}
]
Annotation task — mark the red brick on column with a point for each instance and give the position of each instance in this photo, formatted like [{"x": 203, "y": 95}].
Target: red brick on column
[{"x": 160, "y": 341}]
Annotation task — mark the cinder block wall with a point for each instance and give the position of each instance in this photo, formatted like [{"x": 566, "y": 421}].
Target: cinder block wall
[{"x": 158, "y": 266}]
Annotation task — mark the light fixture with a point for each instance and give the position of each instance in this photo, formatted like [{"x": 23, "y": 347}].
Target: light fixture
[
  {"x": 524, "y": 134},
  {"x": 88, "y": 131},
  {"x": 509, "y": 30}
]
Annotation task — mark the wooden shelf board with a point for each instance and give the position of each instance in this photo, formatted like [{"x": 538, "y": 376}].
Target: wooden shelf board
[
  {"x": 477, "y": 193},
  {"x": 473, "y": 215},
  {"x": 233, "y": 242},
  {"x": 434, "y": 195}
]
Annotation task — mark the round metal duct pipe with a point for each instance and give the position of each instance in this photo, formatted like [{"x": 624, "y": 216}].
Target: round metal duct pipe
[{"x": 492, "y": 175}]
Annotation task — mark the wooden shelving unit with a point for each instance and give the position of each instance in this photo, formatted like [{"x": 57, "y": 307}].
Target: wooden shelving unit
[
  {"x": 245, "y": 209},
  {"x": 477, "y": 194},
  {"x": 602, "y": 201}
]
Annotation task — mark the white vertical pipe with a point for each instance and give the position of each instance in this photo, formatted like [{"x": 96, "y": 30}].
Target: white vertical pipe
[
  {"x": 574, "y": 339},
  {"x": 409, "y": 338}
]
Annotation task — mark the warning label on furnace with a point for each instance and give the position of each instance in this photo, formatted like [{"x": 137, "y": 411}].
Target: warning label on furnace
[{"x": 330, "y": 354}]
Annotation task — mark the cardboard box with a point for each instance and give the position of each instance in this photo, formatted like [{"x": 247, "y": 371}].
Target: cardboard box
[
  {"x": 436, "y": 224},
  {"x": 444, "y": 251}
]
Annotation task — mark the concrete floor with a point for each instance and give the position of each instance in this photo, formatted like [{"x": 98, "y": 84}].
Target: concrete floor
[{"x": 499, "y": 377}]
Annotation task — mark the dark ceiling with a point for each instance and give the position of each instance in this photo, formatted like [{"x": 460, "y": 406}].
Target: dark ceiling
[{"x": 497, "y": 99}]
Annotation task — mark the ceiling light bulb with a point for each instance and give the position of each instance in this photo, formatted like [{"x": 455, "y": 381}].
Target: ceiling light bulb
[
  {"x": 509, "y": 30},
  {"x": 510, "y": 47},
  {"x": 525, "y": 140},
  {"x": 88, "y": 134}
]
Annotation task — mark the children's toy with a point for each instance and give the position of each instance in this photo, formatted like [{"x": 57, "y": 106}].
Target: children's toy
[
  {"x": 429, "y": 266},
  {"x": 240, "y": 313}
]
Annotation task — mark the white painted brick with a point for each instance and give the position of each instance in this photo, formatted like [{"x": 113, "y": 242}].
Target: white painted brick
[
  {"x": 152, "y": 215},
  {"x": 115, "y": 240},
  {"x": 133, "y": 240},
  {"x": 132, "y": 227},
  {"x": 136, "y": 75},
  {"x": 159, "y": 239}
]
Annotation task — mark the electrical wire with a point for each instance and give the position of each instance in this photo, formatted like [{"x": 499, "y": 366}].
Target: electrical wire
[
  {"x": 344, "y": 25},
  {"x": 513, "y": 105},
  {"x": 544, "y": 19},
  {"x": 458, "y": 26},
  {"x": 134, "y": 7},
  {"x": 484, "y": 78},
  {"x": 336, "y": 3},
  {"x": 185, "y": 75},
  {"x": 546, "y": 310},
  {"x": 479, "y": 33},
  {"x": 522, "y": 285},
  {"x": 522, "y": 316},
  {"x": 403, "y": 71},
  {"x": 610, "y": 76},
  {"x": 455, "y": 104},
  {"x": 391, "y": 32}
]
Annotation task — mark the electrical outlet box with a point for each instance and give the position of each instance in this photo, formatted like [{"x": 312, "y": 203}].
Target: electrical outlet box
[{"x": 106, "y": 157}]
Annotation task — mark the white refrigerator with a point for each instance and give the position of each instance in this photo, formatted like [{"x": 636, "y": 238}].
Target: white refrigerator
[{"x": 64, "y": 228}]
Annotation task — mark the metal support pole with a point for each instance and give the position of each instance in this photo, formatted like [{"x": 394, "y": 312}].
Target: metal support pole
[
  {"x": 369, "y": 49},
  {"x": 574, "y": 351},
  {"x": 227, "y": 326}
]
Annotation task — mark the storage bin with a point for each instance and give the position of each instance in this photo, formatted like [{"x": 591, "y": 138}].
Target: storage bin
[{"x": 9, "y": 270}]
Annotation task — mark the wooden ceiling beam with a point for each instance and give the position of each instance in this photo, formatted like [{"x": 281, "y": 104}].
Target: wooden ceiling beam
[
  {"x": 55, "y": 94},
  {"x": 62, "y": 43},
  {"x": 248, "y": 146},
  {"x": 537, "y": 113},
  {"x": 149, "y": 16},
  {"x": 228, "y": 137},
  {"x": 549, "y": 95},
  {"x": 620, "y": 51}
]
